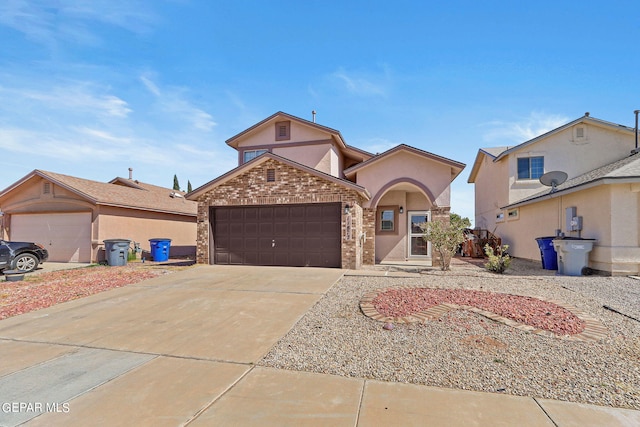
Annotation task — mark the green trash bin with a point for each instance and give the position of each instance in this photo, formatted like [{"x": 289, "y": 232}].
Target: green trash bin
[{"x": 116, "y": 251}]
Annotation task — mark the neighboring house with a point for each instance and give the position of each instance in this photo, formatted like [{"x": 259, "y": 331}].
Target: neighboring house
[
  {"x": 73, "y": 216},
  {"x": 603, "y": 185},
  {"x": 301, "y": 196}
]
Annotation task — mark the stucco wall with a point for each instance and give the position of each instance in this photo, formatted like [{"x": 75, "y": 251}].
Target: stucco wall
[
  {"x": 430, "y": 173},
  {"x": 564, "y": 152},
  {"x": 394, "y": 247},
  {"x": 610, "y": 215},
  {"x": 266, "y": 135},
  {"x": 140, "y": 226},
  {"x": 321, "y": 157},
  {"x": 491, "y": 192}
]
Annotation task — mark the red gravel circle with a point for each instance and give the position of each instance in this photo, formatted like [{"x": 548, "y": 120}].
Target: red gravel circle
[{"x": 526, "y": 310}]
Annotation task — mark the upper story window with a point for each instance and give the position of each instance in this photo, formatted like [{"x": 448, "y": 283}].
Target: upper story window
[
  {"x": 530, "y": 167},
  {"x": 283, "y": 131},
  {"x": 252, "y": 154}
]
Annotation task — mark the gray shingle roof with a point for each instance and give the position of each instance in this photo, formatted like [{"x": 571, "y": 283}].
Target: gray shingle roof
[{"x": 627, "y": 168}]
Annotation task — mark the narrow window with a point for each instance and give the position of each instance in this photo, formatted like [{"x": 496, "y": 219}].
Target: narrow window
[
  {"x": 271, "y": 175},
  {"x": 387, "y": 220}
]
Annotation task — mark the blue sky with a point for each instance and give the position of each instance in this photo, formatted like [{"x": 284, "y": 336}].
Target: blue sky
[{"x": 91, "y": 88}]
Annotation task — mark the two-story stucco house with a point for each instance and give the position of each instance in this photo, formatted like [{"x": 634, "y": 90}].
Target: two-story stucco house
[
  {"x": 301, "y": 196},
  {"x": 603, "y": 186}
]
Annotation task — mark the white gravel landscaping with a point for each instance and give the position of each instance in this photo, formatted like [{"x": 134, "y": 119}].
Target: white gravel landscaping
[{"x": 465, "y": 350}]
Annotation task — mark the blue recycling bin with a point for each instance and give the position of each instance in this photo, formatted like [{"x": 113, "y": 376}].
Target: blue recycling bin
[
  {"x": 548, "y": 253},
  {"x": 160, "y": 249}
]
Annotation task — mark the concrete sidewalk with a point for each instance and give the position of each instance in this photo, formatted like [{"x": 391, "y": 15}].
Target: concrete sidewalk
[{"x": 181, "y": 349}]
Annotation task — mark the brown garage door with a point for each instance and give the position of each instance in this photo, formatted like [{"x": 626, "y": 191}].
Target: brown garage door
[{"x": 292, "y": 235}]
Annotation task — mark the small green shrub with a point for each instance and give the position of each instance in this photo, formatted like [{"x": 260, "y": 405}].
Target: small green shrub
[
  {"x": 131, "y": 255},
  {"x": 499, "y": 260}
]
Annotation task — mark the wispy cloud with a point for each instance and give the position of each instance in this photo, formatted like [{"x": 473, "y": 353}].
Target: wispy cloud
[
  {"x": 78, "y": 96},
  {"x": 523, "y": 129},
  {"x": 362, "y": 83},
  {"x": 377, "y": 145},
  {"x": 50, "y": 22},
  {"x": 174, "y": 101}
]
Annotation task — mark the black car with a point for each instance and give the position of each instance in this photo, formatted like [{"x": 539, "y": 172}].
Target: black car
[{"x": 21, "y": 256}]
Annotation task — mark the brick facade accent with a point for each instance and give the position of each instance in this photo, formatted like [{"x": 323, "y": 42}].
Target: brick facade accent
[
  {"x": 369, "y": 238},
  {"x": 291, "y": 186}
]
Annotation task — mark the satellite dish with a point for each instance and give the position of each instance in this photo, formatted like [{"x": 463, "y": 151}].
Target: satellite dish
[{"x": 553, "y": 179}]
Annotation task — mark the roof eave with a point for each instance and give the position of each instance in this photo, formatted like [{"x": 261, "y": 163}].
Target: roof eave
[
  {"x": 573, "y": 189},
  {"x": 193, "y": 196}
]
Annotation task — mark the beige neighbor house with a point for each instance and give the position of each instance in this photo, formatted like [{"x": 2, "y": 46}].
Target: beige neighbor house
[
  {"x": 73, "y": 216},
  {"x": 301, "y": 196},
  {"x": 603, "y": 186}
]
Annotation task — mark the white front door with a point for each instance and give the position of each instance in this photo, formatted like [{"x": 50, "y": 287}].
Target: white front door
[{"x": 418, "y": 247}]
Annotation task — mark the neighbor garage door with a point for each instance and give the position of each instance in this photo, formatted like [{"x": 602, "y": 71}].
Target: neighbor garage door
[
  {"x": 67, "y": 236},
  {"x": 290, "y": 235}
]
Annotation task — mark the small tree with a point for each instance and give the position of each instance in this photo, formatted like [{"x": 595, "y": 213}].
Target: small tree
[
  {"x": 189, "y": 188},
  {"x": 445, "y": 238},
  {"x": 176, "y": 185}
]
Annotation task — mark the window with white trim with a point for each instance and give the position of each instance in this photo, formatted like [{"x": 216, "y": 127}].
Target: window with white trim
[
  {"x": 252, "y": 154},
  {"x": 530, "y": 167}
]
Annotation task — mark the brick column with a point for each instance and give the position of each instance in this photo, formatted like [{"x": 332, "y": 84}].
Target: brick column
[{"x": 369, "y": 229}]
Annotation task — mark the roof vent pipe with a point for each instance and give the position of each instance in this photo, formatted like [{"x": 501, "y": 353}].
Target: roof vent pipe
[
  {"x": 130, "y": 173},
  {"x": 636, "y": 113},
  {"x": 313, "y": 115}
]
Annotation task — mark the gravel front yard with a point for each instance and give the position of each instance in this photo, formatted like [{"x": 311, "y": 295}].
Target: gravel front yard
[
  {"x": 41, "y": 290},
  {"x": 468, "y": 351}
]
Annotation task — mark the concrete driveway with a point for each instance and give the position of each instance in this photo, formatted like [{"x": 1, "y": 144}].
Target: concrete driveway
[
  {"x": 155, "y": 353},
  {"x": 181, "y": 350}
]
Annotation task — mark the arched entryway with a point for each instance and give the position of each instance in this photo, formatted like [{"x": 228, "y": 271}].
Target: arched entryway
[{"x": 401, "y": 208}]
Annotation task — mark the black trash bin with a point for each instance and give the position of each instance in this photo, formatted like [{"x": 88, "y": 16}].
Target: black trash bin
[
  {"x": 548, "y": 253},
  {"x": 116, "y": 251}
]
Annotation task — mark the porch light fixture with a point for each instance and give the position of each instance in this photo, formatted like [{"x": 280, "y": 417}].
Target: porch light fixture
[
  {"x": 401, "y": 209},
  {"x": 347, "y": 209}
]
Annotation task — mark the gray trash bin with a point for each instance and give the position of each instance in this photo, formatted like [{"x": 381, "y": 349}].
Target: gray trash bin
[
  {"x": 573, "y": 254},
  {"x": 116, "y": 251}
]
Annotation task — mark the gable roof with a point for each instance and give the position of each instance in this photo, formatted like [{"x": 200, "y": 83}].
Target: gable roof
[
  {"x": 456, "y": 166},
  {"x": 491, "y": 152},
  {"x": 348, "y": 150},
  {"x": 584, "y": 119},
  {"x": 621, "y": 171},
  {"x": 135, "y": 195},
  {"x": 263, "y": 158},
  {"x": 498, "y": 153}
]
